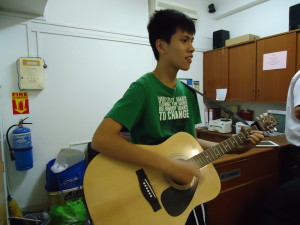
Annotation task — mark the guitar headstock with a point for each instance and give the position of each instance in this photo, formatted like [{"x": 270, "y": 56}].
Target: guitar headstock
[{"x": 266, "y": 122}]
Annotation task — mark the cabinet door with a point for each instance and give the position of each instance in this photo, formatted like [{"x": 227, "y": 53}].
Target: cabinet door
[
  {"x": 272, "y": 85},
  {"x": 3, "y": 219},
  {"x": 215, "y": 71},
  {"x": 256, "y": 176},
  {"x": 242, "y": 72}
]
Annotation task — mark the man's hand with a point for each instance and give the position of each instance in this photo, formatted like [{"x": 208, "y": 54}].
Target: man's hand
[
  {"x": 253, "y": 139},
  {"x": 181, "y": 172},
  {"x": 255, "y": 136}
]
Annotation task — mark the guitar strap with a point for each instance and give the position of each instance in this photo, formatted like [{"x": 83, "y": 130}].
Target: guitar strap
[{"x": 229, "y": 112}]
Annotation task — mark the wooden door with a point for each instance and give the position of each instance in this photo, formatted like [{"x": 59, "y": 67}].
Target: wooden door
[
  {"x": 272, "y": 85},
  {"x": 215, "y": 71},
  {"x": 3, "y": 206},
  {"x": 2, "y": 190},
  {"x": 242, "y": 72},
  {"x": 298, "y": 51}
]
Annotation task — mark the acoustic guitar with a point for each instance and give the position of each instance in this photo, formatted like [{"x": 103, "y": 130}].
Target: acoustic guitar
[{"x": 119, "y": 193}]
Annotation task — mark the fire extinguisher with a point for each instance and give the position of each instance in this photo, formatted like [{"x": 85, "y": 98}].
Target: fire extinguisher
[{"x": 21, "y": 152}]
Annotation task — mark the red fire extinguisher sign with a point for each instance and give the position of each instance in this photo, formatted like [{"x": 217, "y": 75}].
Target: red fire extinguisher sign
[{"x": 20, "y": 103}]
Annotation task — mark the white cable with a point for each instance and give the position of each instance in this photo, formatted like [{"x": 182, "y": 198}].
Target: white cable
[
  {"x": 196, "y": 218},
  {"x": 203, "y": 214}
]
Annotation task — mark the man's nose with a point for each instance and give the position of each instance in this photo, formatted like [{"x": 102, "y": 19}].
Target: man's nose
[{"x": 191, "y": 49}]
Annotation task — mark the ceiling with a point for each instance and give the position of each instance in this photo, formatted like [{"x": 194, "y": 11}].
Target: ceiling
[
  {"x": 31, "y": 7},
  {"x": 226, "y": 8},
  {"x": 37, "y": 7}
]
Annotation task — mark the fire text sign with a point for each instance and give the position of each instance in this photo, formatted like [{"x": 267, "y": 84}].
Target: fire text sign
[{"x": 20, "y": 103}]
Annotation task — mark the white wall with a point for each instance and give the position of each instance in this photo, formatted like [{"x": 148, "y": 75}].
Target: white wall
[
  {"x": 94, "y": 49},
  {"x": 265, "y": 19}
]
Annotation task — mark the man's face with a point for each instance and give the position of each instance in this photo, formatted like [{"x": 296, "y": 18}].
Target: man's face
[{"x": 180, "y": 50}]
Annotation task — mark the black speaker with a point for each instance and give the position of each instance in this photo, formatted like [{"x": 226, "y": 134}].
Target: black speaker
[
  {"x": 219, "y": 38},
  {"x": 294, "y": 17},
  {"x": 211, "y": 8}
]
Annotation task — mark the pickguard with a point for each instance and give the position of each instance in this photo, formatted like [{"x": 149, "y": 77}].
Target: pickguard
[{"x": 176, "y": 201}]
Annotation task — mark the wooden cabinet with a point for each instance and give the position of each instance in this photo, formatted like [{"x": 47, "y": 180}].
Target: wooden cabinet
[
  {"x": 247, "y": 180},
  {"x": 246, "y": 183},
  {"x": 239, "y": 68},
  {"x": 242, "y": 71},
  {"x": 215, "y": 71},
  {"x": 272, "y": 85}
]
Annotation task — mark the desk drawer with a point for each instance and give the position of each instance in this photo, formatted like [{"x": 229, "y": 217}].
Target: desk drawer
[
  {"x": 248, "y": 170},
  {"x": 246, "y": 183}
]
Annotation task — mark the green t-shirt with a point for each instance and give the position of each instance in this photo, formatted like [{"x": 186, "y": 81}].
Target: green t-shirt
[{"x": 153, "y": 112}]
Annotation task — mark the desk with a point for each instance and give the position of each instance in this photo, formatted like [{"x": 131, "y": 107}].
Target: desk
[{"x": 246, "y": 180}]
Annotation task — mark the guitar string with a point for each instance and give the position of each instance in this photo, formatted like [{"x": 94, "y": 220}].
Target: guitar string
[{"x": 209, "y": 155}]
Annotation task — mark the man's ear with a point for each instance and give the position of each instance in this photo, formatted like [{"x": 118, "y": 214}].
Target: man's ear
[{"x": 160, "y": 46}]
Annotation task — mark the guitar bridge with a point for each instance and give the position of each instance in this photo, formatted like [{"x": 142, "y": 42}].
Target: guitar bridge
[{"x": 147, "y": 190}]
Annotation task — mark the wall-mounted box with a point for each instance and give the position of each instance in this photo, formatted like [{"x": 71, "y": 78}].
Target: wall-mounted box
[{"x": 239, "y": 39}]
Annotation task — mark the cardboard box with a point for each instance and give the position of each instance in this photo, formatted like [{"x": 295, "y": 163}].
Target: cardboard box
[{"x": 243, "y": 38}]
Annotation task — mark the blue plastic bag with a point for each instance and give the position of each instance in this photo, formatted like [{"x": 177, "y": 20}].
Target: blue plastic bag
[{"x": 72, "y": 177}]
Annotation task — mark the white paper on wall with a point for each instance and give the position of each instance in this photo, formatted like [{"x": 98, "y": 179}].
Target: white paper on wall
[{"x": 275, "y": 60}]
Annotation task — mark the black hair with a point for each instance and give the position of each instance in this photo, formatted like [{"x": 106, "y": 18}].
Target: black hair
[{"x": 164, "y": 23}]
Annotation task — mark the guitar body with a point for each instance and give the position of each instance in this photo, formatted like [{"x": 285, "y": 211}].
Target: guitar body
[{"x": 114, "y": 197}]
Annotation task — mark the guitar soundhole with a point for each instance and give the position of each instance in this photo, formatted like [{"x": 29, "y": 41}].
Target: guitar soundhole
[
  {"x": 179, "y": 185},
  {"x": 178, "y": 196},
  {"x": 175, "y": 183}
]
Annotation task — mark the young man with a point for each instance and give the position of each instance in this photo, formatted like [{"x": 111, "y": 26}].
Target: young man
[
  {"x": 292, "y": 124},
  {"x": 157, "y": 105},
  {"x": 282, "y": 207}
]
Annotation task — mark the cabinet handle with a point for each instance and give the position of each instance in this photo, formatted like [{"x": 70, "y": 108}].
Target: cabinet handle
[
  {"x": 258, "y": 93},
  {"x": 253, "y": 92}
]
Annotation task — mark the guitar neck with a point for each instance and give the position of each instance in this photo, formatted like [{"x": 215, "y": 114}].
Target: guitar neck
[{"x": 211, "y": 154}]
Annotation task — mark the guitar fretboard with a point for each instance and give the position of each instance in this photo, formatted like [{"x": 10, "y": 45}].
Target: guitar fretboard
[{"x": 211, "y": 154}]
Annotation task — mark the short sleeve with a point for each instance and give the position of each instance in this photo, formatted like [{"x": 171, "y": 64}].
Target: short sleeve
[
  {"x": 297, "y": 93},
  {"x": 128, "y": 110}
]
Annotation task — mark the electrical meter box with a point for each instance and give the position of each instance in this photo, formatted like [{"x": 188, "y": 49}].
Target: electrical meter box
[{"x": 31, "y": 73}]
